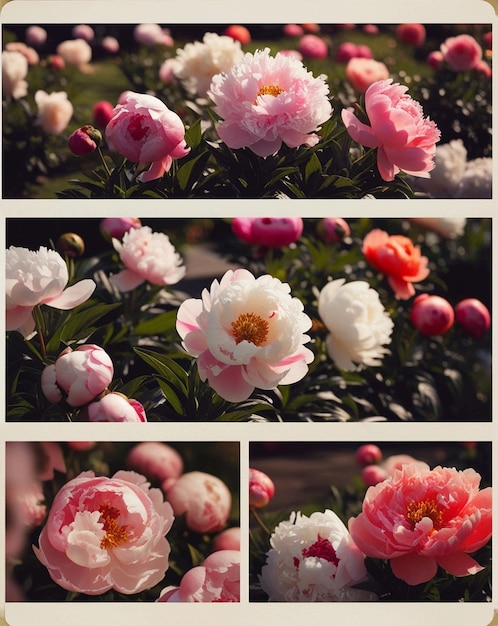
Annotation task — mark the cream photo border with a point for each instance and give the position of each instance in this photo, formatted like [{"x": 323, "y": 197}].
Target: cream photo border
[{"x": 246, "y": 613}]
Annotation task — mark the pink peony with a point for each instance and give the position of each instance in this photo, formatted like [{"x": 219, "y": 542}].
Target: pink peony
[
  {"x": 83, "y": 31},
  {"x": 432, "y": 315},
  {"x": 14, "y": 71},
  {"x": 102, "y": 113},
  {"x": 264, "y": 101},
  {"x": 114, "y": 407},
  {"x": 411, "y": 34},
  {"x": 144, "y": 130},
  {"x": 261, "y": 489},
  {"x": 150, "y": 35},
  {"x": 156, "y": 460},
  {"x": 405, "y": 141},
  {"x": 35, "y": 35},
  {"x": 54, "y": 111},
  {"x": 313, "y": 47},
  {"x": 30, "y": 53},
  {"x": 373, "y": 474},
  {"x": 34, "y": 278},
  {"x": 270, "y": 232},
  {"x": 106, "y": 533},
  {"x": 147, "y": 256},
  {"x": 203, "y": 498},
  {"x": 474, "y": 316},
  {"x": 293, "y": 30},
  {"x": 368, "y": 453},
  {"x": 397, "y": 258},
  {"x": 228, "y": 539},
  {"x": 246, "y": 332},
  {"x": 78, "y": 376},
  {"x": 110, "y": 45},
  {"x": 216, "y": 580},
  {"x": 420, "y": 519},
  {"x": 435, "y": 59},
  {"x": 239, "y": 33},
  {"x": 116, "y": 227},
  {"x": 461, "y": 53},
  {"x": 362, "y": 72}
]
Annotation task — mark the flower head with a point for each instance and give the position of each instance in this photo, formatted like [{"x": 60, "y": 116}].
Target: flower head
[
  {"x": 405, "y": 140},
  {"x": 14, "y": 71},
  {"x": 75, "y": 52},
  {"x": 84, "y": 140},
  {"x": 421, "y": 518},
  {"x": 397, "y": 258},
  {"x": 264, "y": 101},
  {"x": 474, "y": 316},
  {"x": 361, "y": 72},
  {"x": 106, "y": 533},
  {"x": 147, "y": 256},
  {"x": 246, "y": 332},
  {"x": 40, "y": 277},
  {"x": 461, "y": 53},
  {"x": 54, "y": 111},
  {"x": 271, "y": 232},
  {"x": 156, "y": 460},
  {"x": 312, "y": 559},
  {"x": 261, "y": 489},
  {"x": 358, "y": 324},
  {"x": 114, "y": 407},
  {"x": 432, "y": 315}
]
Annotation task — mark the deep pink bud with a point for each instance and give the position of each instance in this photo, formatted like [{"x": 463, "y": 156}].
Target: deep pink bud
[
  {"x": 346, "y": 51},
  {"x": 411, "y": 34},
  {"x": 115, "y": 227},
  {"x": 364, "y": 52},
  {"x": 102, "y": 112},
  {"x": 488, "y": 40},
  {"x": 368, "y": 454},
  {"x": 270, "y": 232},
  {"x": 293, "y": 30},
  {"x": 333, "y": 229},
  {"x": 432, "y": 315},
  {"x": 84, "y": 140},
  {"x": 313, "y": 47},
  {"x": 435, "y": 59},
  {"x": 373, "y": 474},
  {"x": 261, "y": 489},
  {"x": 474, "y": 316}
]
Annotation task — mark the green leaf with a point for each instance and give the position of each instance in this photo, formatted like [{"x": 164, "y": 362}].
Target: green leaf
[
  {"x": 166, "y": 368},
  {"x": 157, "y": 325}
]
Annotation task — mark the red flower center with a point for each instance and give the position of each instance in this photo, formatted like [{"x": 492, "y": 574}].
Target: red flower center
[
  {"x": 115, "y": 534},
  {"x": 322, "y": 549},
  {"x": 136, "y": 128}
]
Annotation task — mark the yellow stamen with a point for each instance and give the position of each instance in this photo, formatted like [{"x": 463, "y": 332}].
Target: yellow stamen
[
  {"x": 250, "y": 327},
  {"x": 115, "y": 534},
  {"x": 416, "y": 511},
  {"x": 268, "y": 90}
]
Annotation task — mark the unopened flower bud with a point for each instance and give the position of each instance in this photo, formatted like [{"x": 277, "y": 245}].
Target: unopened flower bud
[
  {"x": 432, "y": 315},
  {"x": 71, "y": 245},
  {"x": 473, "y": 315},
  {"x": 368, "y": 454},
  {"x": 85, "y": 140},
  {"x": 333, "y": 229},
  {"x": 261, "y": 489}
]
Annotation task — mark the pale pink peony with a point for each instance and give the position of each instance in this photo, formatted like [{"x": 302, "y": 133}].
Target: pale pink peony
[
  {"x": 75, "y": 52},
  {"x": 397, "y": 258},
  {"x": 54, "y": 111},
  {"x": 312, "y": 559},
  {"x": 77, "y": 376},
  {"x": 269, "y": 232},
  {"x": 147, "y": 256},
  {"x": 405, "y": 140},
  {"x": 144, "y": 131},
  {"x": 216, "y": 580},
  {"x": 261, "y": 489},
  {"x": 83, "y": 31},
  {"x": 106, "y": 533},
  {"x": 420, "y": 519},
  {"x": 114, "y": 407},
  {"x": 361, "y": 72},
  {"x": 110, "y": 45},
  {"x": 33, "y": 278},
  {"x": 30, "y": 53},
  {"x": 156, "y": 460},
  {"x": 14, "y": 71},
  {"x": 461, "y": 53},
  {"x": 264, "y": 101},
  {"x": 204, "y": 499},
  {"x": 246, "y": 332},
  {"x": 228, "y": 539},
  {"x": 150, "y": 35}
]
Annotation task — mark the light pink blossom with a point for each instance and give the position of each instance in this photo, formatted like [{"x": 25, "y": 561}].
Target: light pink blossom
[
  {"x": 35, "y": 35},
  {"x": 216, "y": 580},
  {"x": 246, "y": 332},
  {"x": 150, "y": 35},
  {"x": 116, "y": 227},
  {"x": 30, "y": 53},
  {"x": 270, "y": 232},
  {"x": 75, "y": 52},
  {"x": 147, "y": 256},
  {"x": 110, "y": 45},
  {"x": 204, "y": 499},
  {"x": 156, "y": 460},
  {"x": 106, "y": 533},
  {"x": 114, "y": 407},
  {"x": 77, "y": 376},
  {"x": 461, "y": 53},
  {"x": 83, "y": 31},
  {"x": 313, "y": 47},
  {"x": 54, "y": 111},
  {"x": 145, "y": 131},
  {"x": 38, "y": 277},
  {"x": 14, "y": 71},
  {"x": 265, "y": 101},
  {"x": 405, "y": 140},
  {"x": 362, "y": 72},
  {"x": 420, "y": 519}
]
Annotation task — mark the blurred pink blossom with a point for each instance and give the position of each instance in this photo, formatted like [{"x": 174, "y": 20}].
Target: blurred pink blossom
[
  {"x": 362, "y": 72},
  {"x": 54, "y": 111},
  {"x": 421, "y": 518},
  {"x": 83, "y": 31},
  {"x": 246, "y": 332},
  {"x": 110, "y": 45},
  {"x": 269, "y": 232},
  {"x": 265, "y": 101},
  {"x": 116, "y": 227},
  {"x": 102, "y": 113},
  {"x": 461, "y": 53},
  {"x": 30, "y": 53},
  {"x": 156, "y": 460},
  {"x": 405, "y": 140},
  {"x": 75, "y": 52},
  {"x": 239, "y": 33},
  {"x": 261, "y": 489},
  {"x": 14, "y": 71},
  {"x": 432, "y": 315},
  {"x": 114, "y": 407},
  {"x": 435, "y": 59},
  {"x": 411, "y": 34},
  {"x": 333, "y": 229},
  {"x": 313, "y": 47},
  {"x": 150, "y": 35},
  {"x": 35, "y": 35},
  {"x": 474, "y": 316},
  {"x": 106, "y": 533},
  {"x": 368, "y": 453},
  {"x": 293, "y": 30}
]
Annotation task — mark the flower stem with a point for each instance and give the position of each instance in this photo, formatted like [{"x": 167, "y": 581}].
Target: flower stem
[
  {"x": 259, "y": 520},
  {"x": 40, "y": 327},
  {"x": 104, "y": 162}
]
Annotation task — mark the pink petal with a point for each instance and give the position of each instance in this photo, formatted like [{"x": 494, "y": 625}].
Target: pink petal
[
  {"x": 359, "y": 132},
  {"x": 403, "y": 289},
  {"x": 413, "y": 568},
  {"x": 126, "y": 280},
  {"x": 459, "y": 564},
  {"x": 73, "y": 296},
  {"x": 19, "y": 317}
]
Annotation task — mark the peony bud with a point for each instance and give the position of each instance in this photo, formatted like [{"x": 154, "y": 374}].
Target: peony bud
[
  {"x": 313, "y": 47},
  {"x": 432, "y": 315},
  {"x": 473, "y": 315},
  {"x": 70, "y": 245},
  {"x": 411, "y": 34},
  {"x": 261, "y": 489},
  {"x": 239, "y": 33},
  {"x": 435, "y": 59},
  {"x": 373, "y": 474},
  {"x": 369, "y": 454},
  {"x": 115, "y": 407},
  {"x": 84, "y": 140},
  {"x": 156, "y": 460},
  {"x": 102, "y": 113},
  {"x": 333, "y": 229},
  {"x": 270, "y": 232}
]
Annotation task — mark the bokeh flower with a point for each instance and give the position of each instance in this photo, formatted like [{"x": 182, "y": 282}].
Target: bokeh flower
[
  {"x": 55, "y": 111},
  {"x": 156, "y": 460},
  {"x": 313, "y": 47},
  {"x": 397, "y": 258},
  {"x": 150, "y": 35},
  {"x": 405, "y": 140},
  {"x": 269, "y": 232},
  {"x": 359, "y": 326},
  {"x": 106, "y": 533},
  {"x": 265, "y": 101},
  {"x": 246, "y": 332},
  {"x": 362, "y": 72},
  {"x": 474, "y": 316},
  {"x": 461, "y": 53},
  {"x": 312, "y": 559},
  {"x": 116, "y": 227},
  {"x": 38, "y": 277},
  {"x": 333, "y": 229},
  {"x": 75, "y": 52},
  {"x": 420, "y": 519},
  {"x": 14, "y": 71},
  {"x": 147, "y": 256},
  {"x": 261, "y": 489},
  {"x": 411, "y": 34}
]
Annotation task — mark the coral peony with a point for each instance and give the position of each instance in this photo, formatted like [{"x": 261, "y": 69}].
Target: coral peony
[
  {"x": 54, "y": 111},
  {"x": 114, "y": 407},
  {"x": 203, "y": 498},
  {"x": 405, "y": 140},
  {"x": 147, "y": 256},
  {"x": 474, "y": 316},
  {"x": 397, "y": 258},
  {"x": 216, "y": 580},
  {"x": 312, "y": 559},
  {"x": 421, "y": 518},
  {"x": 261, "y": 489},
  {"x": 78, "y": 376},
  {"x": 14, "y": 71},
  {"x": 461, "y": 53},
  {"x": 106, "y": 533},
  {"x": 269, "y": 232},
  {"x": 264, "y": 101},
  {"x": 33, "y": 278},
  {"x": 246, "y": 332},
  {"x": 362, "y": 72},
  {"x": 432, "y": 315},
  {"x": 358, "y": 325}
]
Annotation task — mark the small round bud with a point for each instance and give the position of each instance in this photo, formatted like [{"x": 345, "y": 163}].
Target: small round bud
[
  {"x": 85, "y": 140},
  {"x": 474, "y": 316},
  {"x": 71, "y": 245},
  {"x": 432, "y": 315}
]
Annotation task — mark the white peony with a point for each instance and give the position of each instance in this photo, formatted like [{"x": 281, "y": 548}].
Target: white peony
[
  {"x": 198, "y": 62},
  {"x": 357, "y": 322},
  {"x": 477, "y": 180},
  {"x": 313, "y": 559},
  {"x": 54, "y": 111},
  {"x": 447, "y": 227},
  {"x": 14, "y": 71}
]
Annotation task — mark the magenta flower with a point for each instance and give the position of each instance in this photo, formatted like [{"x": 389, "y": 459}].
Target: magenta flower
[
  {"x": 106, "y": 533},
  {"x": 420, "y": 519},
  {"x": 264, "y": 101},
  {"x": 269, "y": 232},
  {"x": 246, "y": 332},
  {"x": 405, "y": 140}
]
